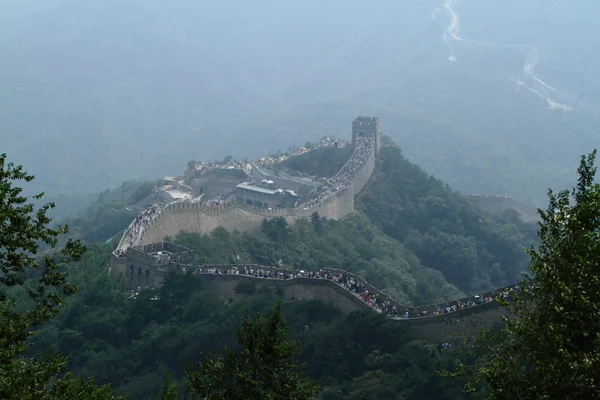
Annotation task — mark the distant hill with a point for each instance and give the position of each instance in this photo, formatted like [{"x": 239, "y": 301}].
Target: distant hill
[
  {"x": 497, "y": 205},
  {"x": 97, "y": 91}
]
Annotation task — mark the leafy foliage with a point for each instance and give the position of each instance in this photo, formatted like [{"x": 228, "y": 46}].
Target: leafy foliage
[
  {"x": 551, "y": 348},
  {"x": 31, "y": 293},
  {"x": 262, "y": 368},
  {"x": 473, "y": 250},
  {"x": 132, "y": 344},
  {"x": 112, "y": 210},
  {"x": 353, "y": 244}
]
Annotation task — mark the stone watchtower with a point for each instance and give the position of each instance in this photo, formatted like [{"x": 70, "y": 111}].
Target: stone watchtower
[{"x": 366, "y": 126}]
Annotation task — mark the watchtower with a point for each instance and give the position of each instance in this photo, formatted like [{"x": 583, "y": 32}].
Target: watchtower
[{"x": 366, "y": 127}]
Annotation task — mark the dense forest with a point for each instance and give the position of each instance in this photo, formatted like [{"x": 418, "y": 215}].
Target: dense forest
[
  {"x": 146, "y": 345},
  {"x": 133, "y": 343},
  {"x": 435, "y": 226},
  {"x": 412, "y": 237}
]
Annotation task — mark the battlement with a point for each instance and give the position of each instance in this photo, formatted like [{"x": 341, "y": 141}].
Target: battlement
[
  {"x": 366, "y": 127},
  {"x": 437, "y": 327},
  {"x": 337, "y": 277},
  {"x": 145, "y": 267},
  {"x": 336, "y": 203},
  {"x": 144, "y": 257}
]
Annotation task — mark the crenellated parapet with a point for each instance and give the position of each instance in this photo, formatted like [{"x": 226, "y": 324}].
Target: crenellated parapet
[
  {"x": 144, "y": 258},
  {"x": 353, "y": 285},
  {"x": 145, "y": 267},
  {"x": 195, "y": 217}
]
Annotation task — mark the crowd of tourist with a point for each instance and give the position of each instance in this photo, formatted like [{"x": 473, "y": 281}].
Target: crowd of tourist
[
  {"x": 142, "y": 220},
  {"x": 228, "y": 164},
  {"x": 328, "y": 141},
  {"x": 246, "y": 270},
  {"x": 357, "y": 287},
  {"x": 342, "y": 179},
  {"x": 476, "y": 300},
  {"x": 214, "y": 203},
  {"x": 489, "y": 196},
  {"x": 332, "y": 141},
  {"x": 329, "y": 188},
  {"x": 269, "y": 160},
  {"x": 364, "y": 146}
]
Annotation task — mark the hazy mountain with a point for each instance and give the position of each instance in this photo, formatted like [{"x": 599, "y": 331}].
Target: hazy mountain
[{"x": 97, "y": 92}]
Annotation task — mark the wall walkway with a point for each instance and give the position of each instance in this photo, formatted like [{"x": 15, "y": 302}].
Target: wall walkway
[
  {"x": 342, "y": 280},
  {"x": 202, "y": 219},
  {"x": 345, "y": 290}
]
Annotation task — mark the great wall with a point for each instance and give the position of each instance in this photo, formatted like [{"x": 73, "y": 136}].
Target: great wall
[
  {"x": 146, "y": 267},
  {"x": 203, "y": 219},
  {"x": 145, "y": 258}
]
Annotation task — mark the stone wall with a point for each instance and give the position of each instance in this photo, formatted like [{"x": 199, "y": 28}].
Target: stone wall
[
  {"x": 296, "y": 289},
  {"x": 193, "y": 217},
  {"x": 135, "y": 260},
  {"x": 362, "y": 176},
  {"x": 141, "y": 270},
  {"x": 416, "y": 313},
  {"x": 453, "y": 326},
  {"x": 197, "y": 218},
  {"x": 137, "y": 270},
  {"x": 367, "y": 126},
  {"x": 433, "y": 328}
]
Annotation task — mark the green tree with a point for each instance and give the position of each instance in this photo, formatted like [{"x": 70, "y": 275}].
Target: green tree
[
  {"x": 262, "y": 368},
  {"x": 550, "y": 349},
  {"x": 276, "y": 229},
  {"x": 317, "y": 222},
  {"x": 32, "y": 291},
  {"x": 373, "y": 385},
  {"x": 169, "y": 389}
]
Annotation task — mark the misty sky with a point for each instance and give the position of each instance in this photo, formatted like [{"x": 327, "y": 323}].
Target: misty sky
[{"x": 97, "y": 92}]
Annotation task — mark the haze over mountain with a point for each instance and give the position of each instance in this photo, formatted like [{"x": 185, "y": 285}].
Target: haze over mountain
[{"x": 96, "y": 92}]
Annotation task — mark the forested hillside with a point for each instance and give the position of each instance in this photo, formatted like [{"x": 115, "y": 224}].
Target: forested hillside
[
  {"x": 132, "y": 343},
  {"x": 473, "y": 250},
  {"x": 412, "y": 237},
  {"x": 103, "y": 216},
  {"x": 435, "y": 224}
]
